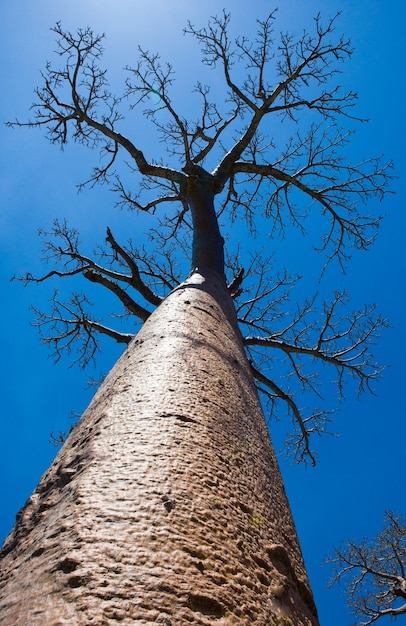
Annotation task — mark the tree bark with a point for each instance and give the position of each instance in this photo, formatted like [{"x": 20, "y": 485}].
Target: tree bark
[
  {"x": 166, "y": 504},
  {"x": 208, "y": 243}
]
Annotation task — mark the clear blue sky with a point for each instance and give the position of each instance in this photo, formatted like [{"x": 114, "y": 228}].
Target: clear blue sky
[{"x": 360, "y": 473}]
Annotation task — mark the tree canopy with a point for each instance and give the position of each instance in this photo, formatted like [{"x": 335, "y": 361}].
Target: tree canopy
[{"x": 222, "y": 155}]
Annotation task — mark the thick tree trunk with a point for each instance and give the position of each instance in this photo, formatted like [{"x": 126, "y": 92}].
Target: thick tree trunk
[{"x": 165, "y": 504}]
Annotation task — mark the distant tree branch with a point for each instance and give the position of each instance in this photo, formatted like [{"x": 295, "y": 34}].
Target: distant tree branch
[{"x": 374, "y": 572}]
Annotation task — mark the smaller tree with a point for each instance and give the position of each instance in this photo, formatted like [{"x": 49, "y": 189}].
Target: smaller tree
[{"x": 374, "y": 572}]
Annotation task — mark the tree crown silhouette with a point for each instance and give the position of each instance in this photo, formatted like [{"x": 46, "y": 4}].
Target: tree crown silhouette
[{"x": 218, "y": 167}]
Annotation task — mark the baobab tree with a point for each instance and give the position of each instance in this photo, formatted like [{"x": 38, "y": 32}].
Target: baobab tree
[
  {"x": 374, "y": 572},
  {"x": 166, "y": 505}
]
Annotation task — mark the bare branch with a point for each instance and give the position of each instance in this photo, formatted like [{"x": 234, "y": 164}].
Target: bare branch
[
  {"x": 136, "y": 280},
  {"x": 68, "y": 325},
  {"x": 302, "y": 445},
  {"x": 325, "y": 179},
  {"x": 374, "y": 572},
  {"x": 130, "y": 304},
  {"x": 302, "y": 65},
  {"x": 339, "y": 341},
  {"x": 207, "y": 134},
  {"x": 131, "y": 201},
  {"x": 76, "y": 97},
  {"x": 301, "y": 342},
  {"x": 153, "y": 80},
  {"x": 93, "y": 271},
  {"x": 216, "y": 46}
]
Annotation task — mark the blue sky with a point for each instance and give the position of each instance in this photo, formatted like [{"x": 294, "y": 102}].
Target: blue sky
[{"x": 359, "y": 473}]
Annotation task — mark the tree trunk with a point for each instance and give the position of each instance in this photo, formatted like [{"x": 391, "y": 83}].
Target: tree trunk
[
  {"x": 208, "y": 243},
  {"x": 166, "y": 504}
]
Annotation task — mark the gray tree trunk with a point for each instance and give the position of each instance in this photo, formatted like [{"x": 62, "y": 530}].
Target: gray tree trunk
[{"x": 165, "y": 505}]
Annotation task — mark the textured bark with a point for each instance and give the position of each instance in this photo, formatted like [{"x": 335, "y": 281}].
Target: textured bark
[{"x": 165, "y": 505}]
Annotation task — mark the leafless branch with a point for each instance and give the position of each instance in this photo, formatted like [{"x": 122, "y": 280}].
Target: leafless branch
[
  {"x": 76, "y": 263},
  {"x": 70, "y": 325},
  {"x": 341, "y": 341},
  {"x": 301, "y": 343},
  {"x": 301, "y": 444},
  {"x": 136, "y": 280},
  {"x": 76, "y": 97},
  {"x": 374, "y": 572},
  {"x": 321, "y": 175}
]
